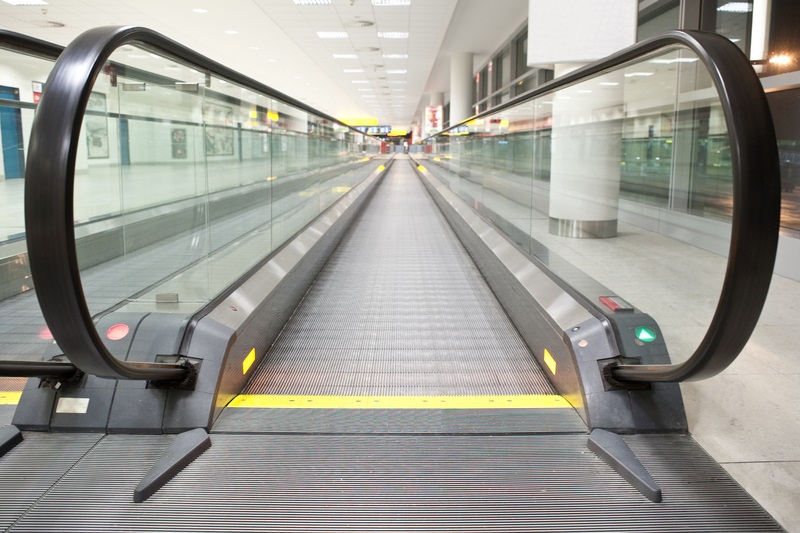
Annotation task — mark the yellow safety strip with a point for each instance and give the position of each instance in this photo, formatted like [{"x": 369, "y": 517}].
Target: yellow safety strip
[
  {"x": 268, "y": 401},
  {"x": 9, "y": 398}
]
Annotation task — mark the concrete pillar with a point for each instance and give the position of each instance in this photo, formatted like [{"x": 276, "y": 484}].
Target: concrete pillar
[
  {"x": 437, "y": 99},
  {"x": 587, "y": 133},
  {"x": 460, "y": 87}
]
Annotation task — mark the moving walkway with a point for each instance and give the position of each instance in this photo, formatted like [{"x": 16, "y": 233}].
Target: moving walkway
[{"x": 337, "y": 338}]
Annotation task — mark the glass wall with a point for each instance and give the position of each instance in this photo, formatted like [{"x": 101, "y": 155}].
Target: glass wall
[
  {"x": 644, "y": 147},
  {"x": 24, "y": 334},
  {"x": 185, "y": 181},
  {"x": 507, "y": 74}
]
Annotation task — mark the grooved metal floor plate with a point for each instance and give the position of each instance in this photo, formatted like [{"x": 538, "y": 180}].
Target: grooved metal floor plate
[
  {"x": 259, "y": 483},
  {"x": 30, "y": 470},
  {"x": 400, "y": 421},
  {"x": 399, "y": 309}
]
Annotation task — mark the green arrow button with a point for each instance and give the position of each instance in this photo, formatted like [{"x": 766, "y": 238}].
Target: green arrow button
[{"x": 645, "y": 334}]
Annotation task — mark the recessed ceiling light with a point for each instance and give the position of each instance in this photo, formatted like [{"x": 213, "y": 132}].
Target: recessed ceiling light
[
  {"x": 26, "y": 2},
  {"x": 345, "y": 56},
  {"x": 332, "y": 34},
  {"x": 398, "y": 71},
  {"x": 255, "y": 48},
  {"x": 609, "y": 83},
  {"x": 638, "y": 74},
  {"x": 397, "y": 81},
  {"x": 736, "y": 7},
  {"x": 393, "y": 34},
  {"x": 311, "y": 2},
  {"x": 200, "y": 10},
  {"x": 395, "y": 56},
  {"x": 364, "y": 89},
  {"x": 360, "y": 81},
  {"x": 231, "y": 32},
  {"x": 353, "y": 70},
  {"x": 391, "y": 2}
]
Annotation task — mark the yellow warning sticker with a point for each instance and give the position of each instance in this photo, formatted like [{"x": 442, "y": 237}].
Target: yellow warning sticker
[
  {"x": 248, "y": 361},
  {"x": 269, "y": 401},
  {"x": 9, "y": 398},
  {"x": 549, "y": 361}
]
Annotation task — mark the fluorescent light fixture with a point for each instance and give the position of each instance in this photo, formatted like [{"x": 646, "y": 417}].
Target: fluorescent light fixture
[
  {"x": 200, "y": 10},
  {"x": 332, "y": 34},
  {"x": 354, "y": 70},
  {"x": 781, "y": 59},
  {"x": 311, "y": 2},
  {"x": 736, "y": 7},
  {"x": 609, "y": 83},
  {"x": 360, "y": 81},
  {"x": 397, "y": 81},
  {"x": 638, "y": 74},
  {"x": 364, "y": 90},
  {"x": 345, "y": 56},
  {"x": 231, "y": 32},
  {"x": 393, "y": 34},
  {"x": 26, "y": 2},
  {"x": 391, "y": 2},
  {"x": 395, "y": 56},
  {"x": 397, "y": 71}
]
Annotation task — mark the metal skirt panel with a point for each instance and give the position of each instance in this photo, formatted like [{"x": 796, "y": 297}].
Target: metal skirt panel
[
  {"x": 260, "y": 483},
  {"x": 399, "y": 309}
]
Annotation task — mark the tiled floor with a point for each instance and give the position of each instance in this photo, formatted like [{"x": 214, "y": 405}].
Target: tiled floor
[{"x": 748, "y": 419}]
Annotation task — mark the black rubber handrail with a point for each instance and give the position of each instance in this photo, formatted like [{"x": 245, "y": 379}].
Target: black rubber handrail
[
  {"x": 30, "y": 46},
  {"x": 50, "y": 186},
  {"x": 756, "y": 198}
]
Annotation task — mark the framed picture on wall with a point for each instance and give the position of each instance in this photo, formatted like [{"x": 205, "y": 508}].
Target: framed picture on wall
[
  {"x": 219, "y": 129},
  {"x": 96, "y": 126},
  {"x": 178, "y": 137}
]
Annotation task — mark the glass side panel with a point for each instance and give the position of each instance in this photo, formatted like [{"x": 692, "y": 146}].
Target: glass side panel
[
  {"x": 186, "y": 181},
  {"x": 603, "y": 178},
  {"x": 23, "y": 333}
]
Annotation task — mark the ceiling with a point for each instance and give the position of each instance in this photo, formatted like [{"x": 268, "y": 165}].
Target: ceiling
[{"x": 276, "y": 42}]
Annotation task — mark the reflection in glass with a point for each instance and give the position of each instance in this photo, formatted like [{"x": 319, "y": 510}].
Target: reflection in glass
[
  {"x": 642, "y": 149},
  {"x": 185, "y": 181}
]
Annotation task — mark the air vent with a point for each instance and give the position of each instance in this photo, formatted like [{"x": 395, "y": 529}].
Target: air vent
[
  {"x": 369, "y": 49},
  {"x": 47, "y": 24},
  {"x": 359, "y": 23}
]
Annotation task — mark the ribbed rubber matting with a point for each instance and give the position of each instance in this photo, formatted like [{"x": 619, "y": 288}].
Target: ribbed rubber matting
[
  {"x": 259, "y": 483},
  {"x": 399, "y": 309}
]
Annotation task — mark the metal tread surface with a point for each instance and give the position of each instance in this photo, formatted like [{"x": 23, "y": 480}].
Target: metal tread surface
[
  {"x": 400, "y": 421},
  {"x": 399, "y": 309},
  {"x": 30, "y": 470},
  {"x": 309, "y": 483}
]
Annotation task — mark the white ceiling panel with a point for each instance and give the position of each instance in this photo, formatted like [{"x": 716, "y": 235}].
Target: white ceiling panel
[{"x": 277, "y": 43}]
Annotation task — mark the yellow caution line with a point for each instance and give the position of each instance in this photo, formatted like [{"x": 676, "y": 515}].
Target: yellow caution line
[
  {"x": 9, "y": 398},
  {"x": 267, "y": 401}
]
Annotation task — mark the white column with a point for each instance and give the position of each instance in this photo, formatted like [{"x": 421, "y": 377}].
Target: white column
[
  {"x": 460, "y": 87},
  {"x": 587, "y": 134}
]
